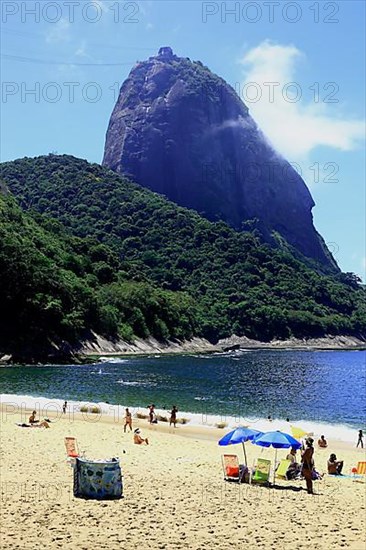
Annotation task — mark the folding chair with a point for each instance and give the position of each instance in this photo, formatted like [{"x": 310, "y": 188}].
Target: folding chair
[
  {"x": 282, "y": 469},
  {"x": 262, "y": 471},
  {"x": 71, "y": 449},
  {"x": 230, "y": 465},
  {"x": 360, "y": 473}
]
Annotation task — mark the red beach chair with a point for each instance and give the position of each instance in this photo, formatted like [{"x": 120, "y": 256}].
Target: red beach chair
[
  {"x": 230, "y": 464},
  {"x": 71, "y": 447}
]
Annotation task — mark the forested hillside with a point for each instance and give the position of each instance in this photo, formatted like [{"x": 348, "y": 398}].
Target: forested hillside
[
  {"x": 55, "y": 287},
  {"x": 93, "y": 251}
]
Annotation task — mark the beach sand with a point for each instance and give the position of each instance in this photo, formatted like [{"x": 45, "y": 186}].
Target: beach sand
[{"x": 174, "y": 493}]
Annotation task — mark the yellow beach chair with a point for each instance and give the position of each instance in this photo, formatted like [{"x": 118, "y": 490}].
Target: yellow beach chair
[
  {"x": 360, "y": 473},
  {"x": 262, "y": 471},
  {"x": 361, "y": 468},
  {"x": 282, "y": 469}
]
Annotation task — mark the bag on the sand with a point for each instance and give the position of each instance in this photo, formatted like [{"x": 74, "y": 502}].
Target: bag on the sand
[{"x": 97, "y": 479}]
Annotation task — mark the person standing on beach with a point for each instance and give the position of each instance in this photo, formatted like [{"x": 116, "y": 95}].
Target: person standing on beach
[
  {"x": 173, "y": 416},
  {"x": 308, "y": 464},
  {"x": 151, "y": 413},
  {"x": 64, "y": 407},
  {"x": 360, "y": 439},
  {"x": 128, "y": 421}
]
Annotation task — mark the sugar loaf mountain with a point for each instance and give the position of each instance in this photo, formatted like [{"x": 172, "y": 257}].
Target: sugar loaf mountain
[
  {"x": 182, "y": 131},
  {"x": 170, "y": 239}
]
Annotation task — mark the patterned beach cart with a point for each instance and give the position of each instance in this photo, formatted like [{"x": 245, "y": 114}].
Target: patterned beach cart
[{"x": 98, "y": 479}]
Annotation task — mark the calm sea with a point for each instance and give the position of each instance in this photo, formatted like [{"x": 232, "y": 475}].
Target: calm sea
[{"x": 321, "y": 390}]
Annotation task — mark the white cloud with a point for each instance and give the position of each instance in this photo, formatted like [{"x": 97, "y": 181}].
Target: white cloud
[
  {"x": 58, "y": 32},
  {"x": 81, "y": 50},
  {"x": 295, "y": 129}
]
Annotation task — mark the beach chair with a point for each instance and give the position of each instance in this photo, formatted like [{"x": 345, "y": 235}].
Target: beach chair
[
  {"x": 262, "y": 471},
  {"x": 230, "y": 465},
  {"x": 282, "y": 469},
  {"x": 360, "y": 473},
  {"x": 71, "y": 449},
  {"x": 361, "y": 468}
]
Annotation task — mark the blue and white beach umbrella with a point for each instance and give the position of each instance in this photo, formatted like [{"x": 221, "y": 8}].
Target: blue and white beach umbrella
[
  {"x": 277, "y": 440},
  {"x": 240, "y": 435}
]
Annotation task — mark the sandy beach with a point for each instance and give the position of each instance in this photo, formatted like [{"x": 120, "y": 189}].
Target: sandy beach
[{"x": 174, "y": 493}]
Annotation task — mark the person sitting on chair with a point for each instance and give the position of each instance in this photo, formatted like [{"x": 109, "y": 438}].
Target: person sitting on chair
[
  {"x": 138, "y": 439},
  {"x": 334, "y": 466},
  {"x": 292, "y": 455},
  {"x": 294, "y": 468},
  {"x": 322, "y": 442}
]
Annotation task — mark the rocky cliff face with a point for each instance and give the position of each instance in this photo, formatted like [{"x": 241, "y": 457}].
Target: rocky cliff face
[{"x": 182, "y": 131}]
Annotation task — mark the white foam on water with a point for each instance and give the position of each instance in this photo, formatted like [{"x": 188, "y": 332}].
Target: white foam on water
[
  {"x": 17, "y": 405},
  {"x": 114, "y": 360},
  {"x": 202, "y": 398}
]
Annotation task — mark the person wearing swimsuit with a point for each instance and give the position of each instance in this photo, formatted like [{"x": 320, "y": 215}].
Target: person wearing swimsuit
[
  {"x": 173, "y": 417},
  {"x": 308, "y": 464},
  {"x": 151, "y": 413},
  {"x": 128, "y": 421}
]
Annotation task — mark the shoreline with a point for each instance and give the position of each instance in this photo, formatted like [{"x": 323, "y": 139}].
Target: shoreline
[
  {"x": 206, "y": 426},
  {"x": 102, "y": 347},
  {"x": 202, "y": 433},
  {"x": 99, "y": 347}
]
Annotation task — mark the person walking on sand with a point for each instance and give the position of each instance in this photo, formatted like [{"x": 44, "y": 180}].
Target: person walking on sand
[
  {"x": 151, "y": 413},
  {"x": 360, "y": 439},
  {"x": 308, "y": 464},
  {"x": 173, "y": 416},
  {"x": 64, "y": 407},
  {"x": 128, "y": 421}
]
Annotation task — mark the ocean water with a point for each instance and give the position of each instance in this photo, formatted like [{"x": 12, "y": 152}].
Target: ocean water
[{"x": 321, "y": 391}]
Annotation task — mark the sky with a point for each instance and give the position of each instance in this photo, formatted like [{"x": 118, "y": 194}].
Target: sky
[{"x": 298, "y": 66}]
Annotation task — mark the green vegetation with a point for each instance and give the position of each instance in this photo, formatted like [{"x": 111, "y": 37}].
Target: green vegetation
[
  {"x": 90, "y": 409},
  {"x": 54, "y": 290},
  {"x": 93, "y": 251}
]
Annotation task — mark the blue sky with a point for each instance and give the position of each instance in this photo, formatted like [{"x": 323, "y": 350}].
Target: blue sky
[{"x": 63, "y": 62}]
